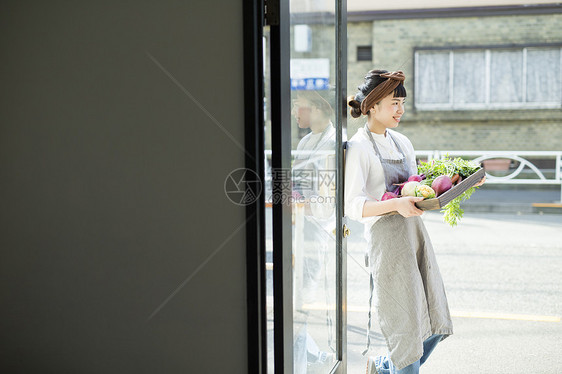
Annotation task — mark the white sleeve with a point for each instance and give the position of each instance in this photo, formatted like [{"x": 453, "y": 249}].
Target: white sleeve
[{"x": 356, "y": 172}]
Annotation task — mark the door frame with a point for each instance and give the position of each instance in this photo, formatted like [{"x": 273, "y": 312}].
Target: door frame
[
  {"x": 253, "y": 15},
  {"x": 341, "y": 141},
  {"x": 279, "y": 20},
  {"x": 281, "y": 208}
]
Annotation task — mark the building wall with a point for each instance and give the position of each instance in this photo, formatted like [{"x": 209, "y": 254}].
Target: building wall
[
  {"x": 119, "y": 250},
  {"x": 393, "y": 44},
  {"x": 393, "y": 49}
]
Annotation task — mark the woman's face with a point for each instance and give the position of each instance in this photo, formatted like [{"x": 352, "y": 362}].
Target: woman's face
[
  {"x": 388, "y": 111},
  {"x": 302, "y": 111}
]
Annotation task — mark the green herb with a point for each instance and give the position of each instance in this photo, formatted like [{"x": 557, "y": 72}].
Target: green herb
[
  {"x": 452, "y": 212},
  {"x": 446, "y": 166}
]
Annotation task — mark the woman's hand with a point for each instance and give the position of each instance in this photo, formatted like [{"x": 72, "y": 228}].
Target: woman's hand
[
  {"x": 406, "y": 206},
  {"x": 481, "y": 182}
]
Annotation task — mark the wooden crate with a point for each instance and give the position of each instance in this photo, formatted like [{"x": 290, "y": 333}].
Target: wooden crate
[
  {"x": 457, "y": 190},
  {"x": 445, "y": 198}
]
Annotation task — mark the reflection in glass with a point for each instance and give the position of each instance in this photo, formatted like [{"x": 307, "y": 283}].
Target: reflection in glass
[
  {"x": 313, "y": 61},
  {"x": 314, "y": 244},
  {"x": 268, "y": 208},
  {"x": 313, "y": 178}
]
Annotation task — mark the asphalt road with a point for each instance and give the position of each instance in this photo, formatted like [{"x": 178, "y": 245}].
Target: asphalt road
[{"x": 503, "y": 277}]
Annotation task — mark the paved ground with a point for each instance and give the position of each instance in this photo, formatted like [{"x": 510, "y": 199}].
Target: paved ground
[
  {"x": 503, "y": 278},
  {"x": 502, "y": 271}
]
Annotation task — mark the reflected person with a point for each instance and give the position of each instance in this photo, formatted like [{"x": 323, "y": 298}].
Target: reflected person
[{"x": 313, "y": 173}]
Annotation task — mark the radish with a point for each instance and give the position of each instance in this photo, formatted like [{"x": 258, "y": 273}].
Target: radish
[
  {"x": 397, "y": 189},
  {"x": 441, "y": 184},
  {"x": 409, "y": 188},
  {"x": 415, "y": 178},
  {"x": 388, "y": 196}
]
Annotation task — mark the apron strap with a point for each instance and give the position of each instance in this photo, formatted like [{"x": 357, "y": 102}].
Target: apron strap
[
  {"x": 397, "y": 145},
  {"x": 377, "y": 148}
]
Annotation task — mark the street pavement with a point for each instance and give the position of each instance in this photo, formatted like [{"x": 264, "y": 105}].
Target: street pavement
[{"x": 503, "y": 278}]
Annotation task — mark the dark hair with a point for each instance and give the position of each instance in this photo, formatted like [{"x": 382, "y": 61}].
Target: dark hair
[
  {"x": 372, "y": 79},
  {"x": 320, "y": 101}
]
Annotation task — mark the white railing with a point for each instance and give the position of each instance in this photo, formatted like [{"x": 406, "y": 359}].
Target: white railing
[{"x": 515, "y": 176}]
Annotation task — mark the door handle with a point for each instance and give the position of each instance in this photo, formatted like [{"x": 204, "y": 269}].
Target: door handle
[{"x": 346, "y": 231}]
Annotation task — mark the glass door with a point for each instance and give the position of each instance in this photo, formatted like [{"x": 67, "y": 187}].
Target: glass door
[{"x": 305, "y": 129}]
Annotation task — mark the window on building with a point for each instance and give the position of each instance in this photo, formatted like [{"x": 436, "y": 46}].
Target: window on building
[
  {"x": 365, "y": 53},
  {"x": 498, "y": 78}
]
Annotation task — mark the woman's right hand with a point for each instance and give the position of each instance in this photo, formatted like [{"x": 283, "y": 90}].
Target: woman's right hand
[{"x": 406, "y": 206}]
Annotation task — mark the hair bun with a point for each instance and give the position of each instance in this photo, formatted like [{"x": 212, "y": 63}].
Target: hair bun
[
  {"x": 355, "y": 105},
  {"x": 352, "y": 102}
]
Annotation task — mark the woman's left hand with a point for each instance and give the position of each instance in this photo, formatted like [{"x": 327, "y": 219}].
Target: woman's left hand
[{"x": 481, "y": 182}]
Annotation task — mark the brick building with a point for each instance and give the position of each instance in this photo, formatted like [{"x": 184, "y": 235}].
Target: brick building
[
  {"x": 484, "y": 77},
  {"x": 465, "y": 50}
]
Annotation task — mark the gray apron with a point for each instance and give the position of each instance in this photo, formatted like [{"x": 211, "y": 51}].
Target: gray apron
[{"x": 411, "y": 303}]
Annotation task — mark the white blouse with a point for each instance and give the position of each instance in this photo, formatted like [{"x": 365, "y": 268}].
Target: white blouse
[
  {"x": 364, "y": 176},
  {"x": 319, "y": 157}
]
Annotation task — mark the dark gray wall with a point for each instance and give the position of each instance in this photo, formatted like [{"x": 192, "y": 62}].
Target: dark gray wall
[{"x": 112, "y": 185}]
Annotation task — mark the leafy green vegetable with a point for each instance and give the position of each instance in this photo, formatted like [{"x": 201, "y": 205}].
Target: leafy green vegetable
[
  {"x": 452, "y": 212},
  {"x": 446, "y": 166}
]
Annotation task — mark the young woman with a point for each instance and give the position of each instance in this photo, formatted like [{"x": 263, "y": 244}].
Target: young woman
[{"x": 410, "y": 298}]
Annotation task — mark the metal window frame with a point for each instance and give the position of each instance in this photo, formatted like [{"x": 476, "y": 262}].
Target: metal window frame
[
  {"x": 370, "y": 51},
  {"x": 341, "y": 126},
  {"x": 253, "y": 16},
  {"x": 282, "y": 210}
]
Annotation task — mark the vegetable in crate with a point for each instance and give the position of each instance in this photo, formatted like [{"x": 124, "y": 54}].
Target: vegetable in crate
[
  {"x": 447, "y": 166},
  {"x": 388, "y": 196},
  {"x": 415, "y": 178},
  {"x": 441, "y": 184},
  {"x": 409, "y": 188},
  {"x": 425, "y": 191},
  {"x": 450, "y": 167}
]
